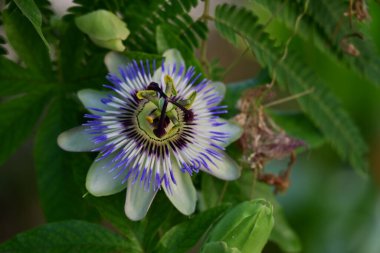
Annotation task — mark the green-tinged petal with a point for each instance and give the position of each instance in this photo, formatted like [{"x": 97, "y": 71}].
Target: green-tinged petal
[
  {"x": 173, "y": 56},
  {"x": 76, "y": 140},
  {"x": 116, "y": 45},
  {"x": 138, "y": 201},
  {"x": 226, "y": 169},
  {"x": 183, "y": 194},
  {"x": 102, "y": 180},
  {"x": 92, "y": 99},
  {"x": 231, "y": 128},
  {"x": 114, "y": 60}
]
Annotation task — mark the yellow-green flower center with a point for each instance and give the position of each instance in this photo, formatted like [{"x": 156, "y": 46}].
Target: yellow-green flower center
[{"x": 148, "y": 120}]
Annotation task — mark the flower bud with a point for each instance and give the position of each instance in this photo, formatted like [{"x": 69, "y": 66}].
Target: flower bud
[
  {"x": 246, "y": 227},
  {"x": 104, "y": 28}
]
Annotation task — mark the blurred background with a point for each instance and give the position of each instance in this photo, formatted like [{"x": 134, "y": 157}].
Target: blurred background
[{"x": 330, "y": 207}]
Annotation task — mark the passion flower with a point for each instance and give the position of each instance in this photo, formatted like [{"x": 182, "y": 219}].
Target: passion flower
[{"x": 152, "y": 132}]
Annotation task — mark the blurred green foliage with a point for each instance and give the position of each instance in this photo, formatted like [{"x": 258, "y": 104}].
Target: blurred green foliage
[{"x": 328, "y": 208}]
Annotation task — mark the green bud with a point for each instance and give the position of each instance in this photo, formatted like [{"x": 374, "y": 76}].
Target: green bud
[
  {"x": 219, "y": 247},
  {"x": 104, "y": 28},
  {"x": 246, "y": 227}
]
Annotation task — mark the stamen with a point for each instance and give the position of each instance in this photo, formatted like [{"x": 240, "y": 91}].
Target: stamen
[{"x": 188, "y": 114}]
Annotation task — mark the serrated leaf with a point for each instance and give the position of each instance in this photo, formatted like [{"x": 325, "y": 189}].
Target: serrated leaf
[
  {"x": 61, "y": 198},
  {"x": 321, "y": 105},
  {"x": 174, "y": 13},
  {"x": 33, "y": 14},
  {"x": 167, "y": 39},
  {"x": 323, "y": 27},
  {"x": 27, "y": 44},
  {"x": 182, "y": 237},
  {"x": 17, "y": 119},
  {"x": 72, "y": 236},
  {"x": 235, "y": 90}
]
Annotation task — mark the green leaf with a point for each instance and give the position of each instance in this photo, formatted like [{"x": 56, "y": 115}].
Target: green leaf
[
  {"x": 17, "y": 119},
  {"x": 33, "y": 14},
  {"x": 61, "y": 198},
  {"x": 15, "y": 79},
  {"x": 321, "y": 105},
  {"x": 210, "y": 192},
  {"x": 71, "y": 53},
  {"x": 296, "y": 124},
  {"x": 182, "y": 237},
  {"x": 68, "y": 237},
  {"x": 112, "y": 209},
  {"x": 27, "y": 44},
  {"x": 153, "y": 224}
]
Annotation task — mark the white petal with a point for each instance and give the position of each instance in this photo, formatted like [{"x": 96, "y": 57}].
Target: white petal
[
  {"x": 114, "y": 60},
  {"x": 173, "y": 56},
  {"x": 231, "y": 128},
  {"x": 138, "y": 201},
  {"x": 76, "y": 140},
  {"x": 226, "y": 169},
  {"x": 220, "y": 88},
  {"x": 183, "y": 194},
  {"x": 102, "y": 181},
  {"x": 92, "y": 99}
]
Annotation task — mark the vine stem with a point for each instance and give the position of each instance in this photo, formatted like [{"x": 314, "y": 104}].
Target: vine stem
[
  {"x": 286, "y": 99},
  {"x": 235, "y": 62},
  {"x": 203, "y": 49},
  {"x": 221, "y": 196},
  {"x": 289, "y": 40}
]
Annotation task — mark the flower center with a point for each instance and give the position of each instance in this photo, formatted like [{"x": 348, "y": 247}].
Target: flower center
[
  {"x": 148, "y": 121},
  {"x": 163, "y": 113}
]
